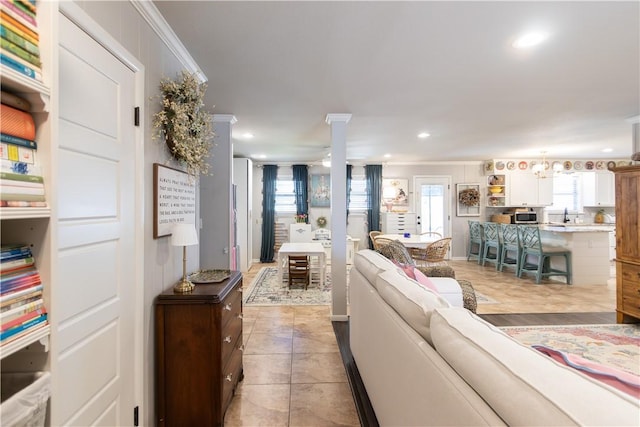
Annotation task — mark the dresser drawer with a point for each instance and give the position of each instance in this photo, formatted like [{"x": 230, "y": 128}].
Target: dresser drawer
[
  {"x": 231, "y": 374},
  {"x": 230, "y": 335},
  {"x": 231, "y": 306},
  {"x": 630, "y": 274}
]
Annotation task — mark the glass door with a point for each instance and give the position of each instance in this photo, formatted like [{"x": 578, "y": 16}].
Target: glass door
[{"x": 432, "y": 198}]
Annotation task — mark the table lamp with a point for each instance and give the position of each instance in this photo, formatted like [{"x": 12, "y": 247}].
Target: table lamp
[{"x": 184, "y": 235}]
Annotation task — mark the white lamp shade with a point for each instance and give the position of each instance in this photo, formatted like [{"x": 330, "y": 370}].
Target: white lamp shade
[{"x": 184, "y": 235}]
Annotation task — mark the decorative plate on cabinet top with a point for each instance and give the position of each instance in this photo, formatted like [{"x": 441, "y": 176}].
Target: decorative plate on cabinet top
[
  {"x": 499, "y": 165},
  {"x": 611, "y": 164},
  {"x": 511, "y": 165},
  {"x": 577, "y": 165},
  {"x": 589, "y": 165},
  {"x": 567, "y": 165},
  {"x": 522, "y": 165},
  {"x": 557, "y": 165},
  {"x": 623, "y": 163},
  {"x": 600, "y": 164}
]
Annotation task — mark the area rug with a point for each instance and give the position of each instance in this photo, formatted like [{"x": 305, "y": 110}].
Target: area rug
[
  {"x": 265, "y": 290},
  {"x": 616, "y": 345}
]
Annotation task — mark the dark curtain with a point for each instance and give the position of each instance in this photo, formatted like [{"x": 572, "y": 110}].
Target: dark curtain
[
  {"x": 373, "y": 175},
  {"x": 300, "y": 182},
  {"x": 269, "y": 177},
  {"x": 349, "y": 169}
]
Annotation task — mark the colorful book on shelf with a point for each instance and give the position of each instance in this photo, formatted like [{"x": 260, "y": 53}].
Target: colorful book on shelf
[
  {"x": 22, "y": 204},
  {"x": 17, "y": 123},
  {"x": 17, "y": 153},
  {"x": 24, "y": 273},
  {"x": 18, "y": 25},
  {"x": 8, "y": 34},
  {"x": 29, "y": 297},
  {"x": 10, "y": 139},
  {"x": 31, "y": 330},
  {"x": 24, "y": 318},
  {"x": 20, "y": 286},
  {"x": 15, "y": 101},
  {"x": 22, "y": 190},
  {"x": 24, "y": 327},
  {"x": 8, "y": 176},
  {"x": 19, "y": 29},
  {"x": 8, "y": 250},
  {"x": 8, "y": 60},
  {"x": 11, "y": 297},
  {"x": 21, "y": 197},
  {"x": 21, "y": 184},
  {"x": 19, "y": 14},
  {"x": 20, "y": 167},
  {"x": 20, "y": 52},
  {"x": 11, "y": 265},
  {"x": 7, "y": 258},
  {"x": 25, "y": 6},
  {"x": 14, "y": 313}
]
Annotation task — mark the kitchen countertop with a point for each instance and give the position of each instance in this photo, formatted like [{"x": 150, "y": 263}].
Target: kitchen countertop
[{"x": 577, "y": 228}]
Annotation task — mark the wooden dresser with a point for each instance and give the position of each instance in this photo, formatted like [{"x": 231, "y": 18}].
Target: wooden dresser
[
  {"x": 628, "y": 243},
  {"x": 198, "y": 353}
]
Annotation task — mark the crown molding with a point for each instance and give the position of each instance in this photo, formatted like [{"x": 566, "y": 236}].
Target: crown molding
[
  {"x": 159, "y": 25},
  {"x": 338, "y": 117}
]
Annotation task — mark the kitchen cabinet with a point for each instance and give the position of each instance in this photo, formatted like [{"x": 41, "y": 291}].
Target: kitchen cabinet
[
  {"x": 496, "y": 190},
  {"x": 598, "y": 189},
  {"x": 198, "y": 353},
  {"x": 526, "y": 189}
]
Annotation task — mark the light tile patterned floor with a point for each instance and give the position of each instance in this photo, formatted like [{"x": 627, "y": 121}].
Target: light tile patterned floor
[{"x": 294, "y": 375}]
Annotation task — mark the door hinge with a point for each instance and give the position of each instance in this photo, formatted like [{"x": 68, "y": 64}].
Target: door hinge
[
  {"x": 135, "y": 416},
  {"x": 136, "y": 116}
]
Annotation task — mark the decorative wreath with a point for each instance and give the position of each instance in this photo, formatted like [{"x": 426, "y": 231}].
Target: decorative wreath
[
  {"x": 321, "y": 221},
  {"x": 184, "y": 123},
  {"x": 469, "y": 197}
]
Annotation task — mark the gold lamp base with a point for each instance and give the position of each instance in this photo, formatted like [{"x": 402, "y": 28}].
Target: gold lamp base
[{"x": 183, "y": 286}]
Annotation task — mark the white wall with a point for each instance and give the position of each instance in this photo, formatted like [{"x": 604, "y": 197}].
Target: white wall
[{"x": 163, "y": 263}]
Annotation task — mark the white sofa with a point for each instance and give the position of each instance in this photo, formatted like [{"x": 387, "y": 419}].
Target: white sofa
[{"x": 426, "y": 363}]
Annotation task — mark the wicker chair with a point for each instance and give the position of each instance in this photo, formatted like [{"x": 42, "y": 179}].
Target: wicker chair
[
  {"x": 378, "y": 242},
  {"x": 373, "y": 235},
  {"x": 434, "y": 254},
  {"x": 420, "y": 252}
]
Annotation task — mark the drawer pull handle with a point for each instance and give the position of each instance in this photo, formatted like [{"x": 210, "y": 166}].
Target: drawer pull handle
[
  {"x": 241, "y": 348},
  {"x": 240, "y": 316},
  {"x": 227, "y": 307},
  {"x": 229, "y": 377},
  {"x": 227, "y": 339}
]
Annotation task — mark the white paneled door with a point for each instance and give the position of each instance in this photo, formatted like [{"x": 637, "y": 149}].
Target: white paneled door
[
  {"x": 94, "y": 297},
  {"x": 432, "y": 201}
]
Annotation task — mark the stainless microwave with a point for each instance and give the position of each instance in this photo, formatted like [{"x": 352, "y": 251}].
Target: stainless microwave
[{"x": 529, "y": 217}]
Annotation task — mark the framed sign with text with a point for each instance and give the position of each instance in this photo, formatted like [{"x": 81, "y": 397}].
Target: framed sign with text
[{"x": 174, "y": 199}]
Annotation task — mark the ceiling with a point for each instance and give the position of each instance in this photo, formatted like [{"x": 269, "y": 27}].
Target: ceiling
[{"x": 401, "y": 68}]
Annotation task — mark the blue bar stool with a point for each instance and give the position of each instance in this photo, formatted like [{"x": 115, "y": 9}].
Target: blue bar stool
[
  {"x": 476, "y": 242},
  {"x": 532, "y": 247},
  {"x": 511, "y": 248},
  {"x": 492, "y": 244}
]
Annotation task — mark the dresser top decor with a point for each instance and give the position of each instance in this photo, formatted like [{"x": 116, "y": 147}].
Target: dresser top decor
[{"x": 184, "y": 123}]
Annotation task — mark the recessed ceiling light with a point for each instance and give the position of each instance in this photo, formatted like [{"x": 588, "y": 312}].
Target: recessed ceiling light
[
  {"x": 387, "y": 155},
  {"x": 423, "y": 135},
  {"x": 529, "y": 40},
  {"x": 247, "y": 135},
  {"x": 607, "y": 150},
  {"x": 259, "y": 156}
]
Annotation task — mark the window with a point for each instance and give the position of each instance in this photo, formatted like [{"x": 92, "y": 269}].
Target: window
[
  {"x": 566, "y": 192},
  {"x": 358, "y": 198},
  {"x": 285, "y": 195}
]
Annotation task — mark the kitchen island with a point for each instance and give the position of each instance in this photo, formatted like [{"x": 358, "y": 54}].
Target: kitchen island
[{"x": 589, "y": 246}]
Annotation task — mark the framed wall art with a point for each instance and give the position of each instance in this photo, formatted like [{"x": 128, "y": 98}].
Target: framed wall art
[
  {"x": 468, "y": 199},
  {"x": 320, "y": 195},
  {"x": 174, "y": 197},
  {"x": 395, "y": 192}
]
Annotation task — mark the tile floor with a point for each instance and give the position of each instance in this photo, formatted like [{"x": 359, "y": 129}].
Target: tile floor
[{"x": 294, "y": 374}]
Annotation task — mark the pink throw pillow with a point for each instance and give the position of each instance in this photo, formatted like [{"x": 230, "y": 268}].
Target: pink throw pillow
[
  {"x": 408, "y": 269},
  {"x": 424, "y": 280}
]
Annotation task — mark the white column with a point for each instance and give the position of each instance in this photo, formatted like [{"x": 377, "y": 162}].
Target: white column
[
  {"x": 216, "y": 199},
  {"x": 338, "y": 123}
]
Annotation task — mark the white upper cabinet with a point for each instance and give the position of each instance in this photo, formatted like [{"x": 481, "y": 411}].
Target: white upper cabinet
[
  {"x": 598, "y": 189},
  {"x": 526, "y": 189}
]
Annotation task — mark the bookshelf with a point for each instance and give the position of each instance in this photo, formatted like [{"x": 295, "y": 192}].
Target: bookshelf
[{"x": 34, "y": 226}]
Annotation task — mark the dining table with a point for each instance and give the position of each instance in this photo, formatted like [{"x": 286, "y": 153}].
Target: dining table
[
  {"x": 412, "y": 240},
  {"x": 313, "y": 250}
]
